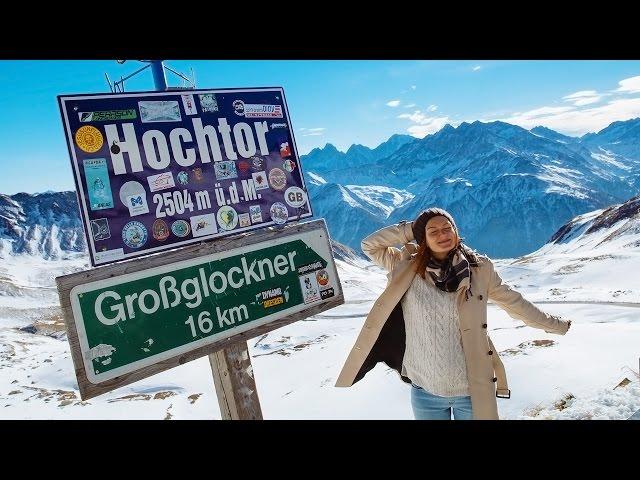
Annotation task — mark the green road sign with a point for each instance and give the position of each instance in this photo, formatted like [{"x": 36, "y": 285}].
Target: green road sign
[{"x": 131, "y": 321}]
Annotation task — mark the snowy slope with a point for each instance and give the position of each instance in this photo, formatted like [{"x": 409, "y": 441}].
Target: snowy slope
[
  {"x": 593, "y": 257},
  {"x": 571, "y": 376}
]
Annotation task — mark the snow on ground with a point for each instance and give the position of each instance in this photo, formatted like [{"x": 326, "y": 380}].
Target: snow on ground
[
  {"x": 596, "y": 267},
  {"x": 551, "y": 376}
]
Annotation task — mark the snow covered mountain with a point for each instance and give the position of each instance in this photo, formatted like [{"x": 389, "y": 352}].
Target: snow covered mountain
[
  {"x": 621, "y": 138},
  {"x": 613, "y": 228},
  {"x": 593, "y": 257},
  {"x": 45, "y": 224},
  {"x": 545, "y": 132},
  {"x": 330, "y": 160},
  {"x": 509, "y": 188}
]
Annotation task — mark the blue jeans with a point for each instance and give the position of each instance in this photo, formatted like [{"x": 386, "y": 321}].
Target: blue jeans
[{"x": 427, "y": 406}]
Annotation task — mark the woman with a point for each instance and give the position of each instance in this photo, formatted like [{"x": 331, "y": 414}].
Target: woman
[{"x": 430, "y": 323}]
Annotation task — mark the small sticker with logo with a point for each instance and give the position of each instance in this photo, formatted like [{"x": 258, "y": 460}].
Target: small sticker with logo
[
  {"x": 183, "y": 178},
  {"x": 238, "y": 107},
  {"x": 100, "y": 229},
  {"x": 310, "y": 289},
  {"x": 289, "y": 165},
  {"x": 243, "y": 166},
  {"x": 262, "y": 111},
  {"x": 162, "y": 181},
  {"x": 180, "y": 228},
  {"x": 323, "y": 279},
  {"x": 295, "y": 197},
  {"x": 272, "y": 297},
  {"x": 273, "y": 302},
  {"x": 227, "y": 218},
  {"x": 257, "y": 163},
  {"x": 244, "y": 220},
  {"x": 163, "y": 111},
  {"x": 89, "y": 139},
  {"x": 160, "y": 230},
  {"x": 137, "y": 205},
  {"x": 197, "y": 174},
  {"x": 285, "y": 151},
  {"x": 96, "y": 174},
  {"x": 189, "y": 104},
  {"x": 310, "y": 267},
  {"x": 260, "y": 180},
  {"x": 134, "y": 196},
  {"x": 203, "y": 225},
  {"x": 208, "y": 102},
  {"x": 109, "y": 255},
  {"x": 108, "y": 115},
  {"x": 134, "y": 234},
  {"x": 256, "y": 214},
  {"x": 225, "y": 170},
  {"x": 278, "y": 125},
  {"x": 277, "y": 179},
  {"x": 279, "y": 213},
  {"x": 327, "y": 293}
]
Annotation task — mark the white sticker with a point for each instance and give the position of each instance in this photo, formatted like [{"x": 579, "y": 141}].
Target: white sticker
[
  {"x": 107, "y": 255},
  {"x": 189, "y": 104},
  {"x": 260, "y": 180},
  {"x": 310, "y": 289},
  {"x": 137, "y": 205},
  {"x": 134, "y": 196},
  {"x": 244, "y": 219},
  {"x": 162, "y": 181},
  {"x": 203, "y": 225},
  {"x": 227, "y": 217},
  {"x": 256, "y": 213},
  {"x": 163, "y": 111},
  {"x": 295, "y": 197}
]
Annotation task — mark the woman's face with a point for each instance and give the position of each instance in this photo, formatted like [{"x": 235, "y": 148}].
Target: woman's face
[{"x": 440, "y": 235}]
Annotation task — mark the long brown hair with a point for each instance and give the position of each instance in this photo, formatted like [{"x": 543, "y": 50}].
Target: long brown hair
[{"x": 425, "y": 254}]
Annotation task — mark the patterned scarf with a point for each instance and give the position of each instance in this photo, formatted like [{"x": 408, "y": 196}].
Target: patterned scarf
[{"x": 453, "y": 273}]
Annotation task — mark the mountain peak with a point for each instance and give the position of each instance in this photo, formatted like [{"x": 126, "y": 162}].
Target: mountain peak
[
  {"x": 625, "y": 131},
  {"x": 550, "y": 134},
  {"x": 357, "y": 148},
  {"x": 632, "y": 122},
  {"x": 400, "y": 137},
  {"x": 329, "y": 147}
]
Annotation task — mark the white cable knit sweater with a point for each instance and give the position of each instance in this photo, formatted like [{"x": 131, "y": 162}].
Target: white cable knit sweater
[{"x": 433, "y": 358}]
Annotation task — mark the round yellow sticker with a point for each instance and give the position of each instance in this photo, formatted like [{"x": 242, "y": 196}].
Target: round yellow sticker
[{"x": 89, "y": 139}]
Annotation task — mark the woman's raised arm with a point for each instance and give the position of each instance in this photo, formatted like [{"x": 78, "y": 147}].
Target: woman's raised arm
[{"x": 381, "y": 248}]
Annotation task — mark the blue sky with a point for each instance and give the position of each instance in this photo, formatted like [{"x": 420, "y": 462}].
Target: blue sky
[{"x": 340, "y": 101}]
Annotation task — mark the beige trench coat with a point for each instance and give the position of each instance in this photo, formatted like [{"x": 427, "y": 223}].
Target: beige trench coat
[{"x": 382, "y": 339}]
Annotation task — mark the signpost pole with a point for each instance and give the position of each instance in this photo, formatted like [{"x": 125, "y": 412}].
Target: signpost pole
[
  {"x": 159, "y": 79},
  {"x": 234, "y": 382},
  {"x": 232, "y": 370}
]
